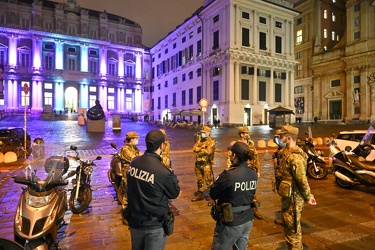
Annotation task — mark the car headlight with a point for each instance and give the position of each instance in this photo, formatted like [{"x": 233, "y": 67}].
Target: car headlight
[{"x": 38, "y": 201}]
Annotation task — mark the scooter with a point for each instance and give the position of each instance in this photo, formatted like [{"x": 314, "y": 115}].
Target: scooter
[
  {"x": 81, "y": 194},
  {"x": 115, "y": 174},
  {"x": 42, "y": 205},
  {"x": 351, "y": 168},
  {"x": 316, "y": 166}
]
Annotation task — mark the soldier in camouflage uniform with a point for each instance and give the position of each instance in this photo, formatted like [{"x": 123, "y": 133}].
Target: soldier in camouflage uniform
[
  {"x": 165, "y": 155},
  {"x": 244, "y": 134},
  {"x": 204, "y": 148},
  {"x": 127, "y": 153},
  {"x": 293, "y": 168}
]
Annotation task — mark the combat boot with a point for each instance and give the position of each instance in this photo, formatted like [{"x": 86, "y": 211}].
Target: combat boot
[
  {"x": 257, "y": 214},
  {"x": 198, "y": 197}
]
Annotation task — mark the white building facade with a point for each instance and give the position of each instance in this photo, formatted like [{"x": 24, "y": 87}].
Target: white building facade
[{"x": 239, "y": 55}]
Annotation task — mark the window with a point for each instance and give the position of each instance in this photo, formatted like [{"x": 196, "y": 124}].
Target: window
[
  {"x": 25, "y": 98},
  {"x": 262, "y": 41},
  {"x": 174, "y": 97},
  {"x": 299, "y": 37},
  {"x": 183, "y": 98},
  {"x": 129, "y": 70},
  {"x": 48, "y": 61},
  {"x": 71, "y": 63},
  {"x": 356, "y": 7},
  {"x": 191, "y": 34},
  {"x": 166, "y": 101},
  {"x": 325, "y": 33},
  {"x": 278, "y": 92},
  {"x": 190, "y": 96},
  {"x": 183, "y": 77},
  {"x": 48, "y": 97},
  {"x": 262, "y": 20},
  {"x": 2, "y": 56},
  {"x": 333, "y": 36},
  {"x": 92, "y": 100},
  {"x": 174, "y": 45},
  {"x": 262, "y": 91},
  {"x": 245, "y": 15},
  {"x": 48, "y": 86},
  {"x": 24, "y": 58},
  {"x": 129, "y": 103},
  {"x": 299, "y": 69},
  {"x": 190, "y": 75},
  {"x": 333, "y": 17},
  {"x": 93, "y": 66},
  {"x": 298, "y": 55},
  {"x": 215, "y": 90},
  {"x": 199, "y": 48},
  {"x": 191, "y": 53},
  {"x": 166, "y": 84},
  {"x": 199, "y": 93},
  {"x": 298, "y": 90},
  {"x": 111, "y": 102},
  {"x": 299, "y": 21},
  {"x": 335, "y": 83},
  {"x": 278, "y": 24},
  {"x": 92, "y": 89},
  {"x": 245, "y": 84},
  {"x": 245, "y": 37},
  {"x": 325, "y": 14},
  {"x": 112, "y": 68},
  {"x": 278, "y": 44},
  {"x": 357, "y": 35},
  {"x": 175, "y": 80},
  {"x": 184, "y": 39},
  {"x": 216, "y": 71},
  {"x": 216, "y": 18},
  {"x": 199, "y": 72},
  {"x": 159, "y": 102},
  {"x": 215, "y": 40},
  {"x": 357, "y": 79},
  {"x": 199, "y": 29},
  {"x": 243, "y": 69}
]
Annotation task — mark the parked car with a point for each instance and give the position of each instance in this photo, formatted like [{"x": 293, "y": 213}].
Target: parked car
[
  {"x": 353, "y": 137},
  {"x": 12, "y": 139}
]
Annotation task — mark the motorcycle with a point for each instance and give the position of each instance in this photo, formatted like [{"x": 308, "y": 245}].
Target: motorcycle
[
  {"x": 115, "y": 174},
  {"x": 349, "y": 169},
  {"x": 42, "y": 205},
  {"x": 316, "y": 166},
  {"x": 81, "y": 194}
]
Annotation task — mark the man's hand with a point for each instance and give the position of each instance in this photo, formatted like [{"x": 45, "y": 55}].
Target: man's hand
[{"x": 312, "y": 200}]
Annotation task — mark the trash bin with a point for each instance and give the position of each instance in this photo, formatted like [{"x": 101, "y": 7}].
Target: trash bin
[
  {"x": 38, "y": 148},
  {"x": 116, "y": 122}
]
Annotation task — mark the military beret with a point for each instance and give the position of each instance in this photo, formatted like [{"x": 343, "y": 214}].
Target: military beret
[
  {"x": 243, "y": 129},
  {"x": 206, "y": 129},
  {"x": 132, "y": 135},
  {"x": 287, "y": 129}
]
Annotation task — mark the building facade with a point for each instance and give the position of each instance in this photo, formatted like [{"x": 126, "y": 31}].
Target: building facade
[
  {"x": 239, "y": 55},
  {"x": 335, "y": 48},
  {"x": 65, "y": 57}
]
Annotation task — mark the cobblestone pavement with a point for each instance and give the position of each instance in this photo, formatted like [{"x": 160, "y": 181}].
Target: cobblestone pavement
[{"x": 343, "y": 219}]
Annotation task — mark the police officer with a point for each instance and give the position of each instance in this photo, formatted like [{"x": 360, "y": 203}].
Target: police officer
[
  {"x": 165, "y": 157},
  {"x": 204, "y": 148},
  {"x": 150, "y": 185},
  {"x": 127, "y": 153},
  {"x": 244, "y": 134},
  {"x": 293, "y": 178},
  {"x": 237, "y": 186}
]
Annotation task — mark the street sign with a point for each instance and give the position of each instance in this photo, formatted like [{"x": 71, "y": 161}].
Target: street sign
[
  {"x": 26, "y": 88},
  {"x": 203, "y": 103}
]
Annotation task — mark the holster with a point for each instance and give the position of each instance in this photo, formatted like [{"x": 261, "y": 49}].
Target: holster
[{"x": 168, "y": 223}]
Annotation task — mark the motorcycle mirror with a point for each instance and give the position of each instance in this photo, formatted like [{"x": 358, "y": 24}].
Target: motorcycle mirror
[
  {"x": 73, "y": 148},
  {"x": 113, "y": 145},
  {"x": 98, "y": 157}
]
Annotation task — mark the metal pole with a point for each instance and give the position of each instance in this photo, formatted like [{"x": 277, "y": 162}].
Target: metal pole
[{"x": 24, "y": 118}]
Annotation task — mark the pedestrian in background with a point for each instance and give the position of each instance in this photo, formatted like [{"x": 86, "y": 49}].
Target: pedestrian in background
[
  {"x": 128, "y": 152},
  {"x": 235, "y": 186},
  {"x": 204, "y": 149},
  {"x": 254, "y": 163},
  {"x": 165, "y": 156},
  {"x": 150, "y": 185},
  {"x": 294, "y": 187}
]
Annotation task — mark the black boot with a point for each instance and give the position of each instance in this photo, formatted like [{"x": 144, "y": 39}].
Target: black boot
[
  {"x": 211, "y": 202},
  {"x": 198, "y": 197}
]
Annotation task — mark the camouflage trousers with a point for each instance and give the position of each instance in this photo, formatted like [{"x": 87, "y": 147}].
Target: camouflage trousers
[
  {"x": 123, "y": 184},
  {"x": 204, "y": 174},
  {"x": 293, "y": 239}
]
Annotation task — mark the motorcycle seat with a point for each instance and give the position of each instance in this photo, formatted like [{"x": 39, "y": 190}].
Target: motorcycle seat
[{"x": 368, "y": 165}]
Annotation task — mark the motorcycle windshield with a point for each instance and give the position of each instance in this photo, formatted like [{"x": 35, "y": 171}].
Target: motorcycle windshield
[
  {"x": 55, "y": 167},
  {"x": 366, "y": 137}
]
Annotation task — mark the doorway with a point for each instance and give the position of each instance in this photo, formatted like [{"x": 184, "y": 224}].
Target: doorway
[
  {"x": 71, "y": 99},
  {"x": 247, "y": 116},
  {"x": 335, "y": 110}
]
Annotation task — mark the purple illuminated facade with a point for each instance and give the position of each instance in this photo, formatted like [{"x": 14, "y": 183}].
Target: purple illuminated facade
[{"x": 69, "y": 57}]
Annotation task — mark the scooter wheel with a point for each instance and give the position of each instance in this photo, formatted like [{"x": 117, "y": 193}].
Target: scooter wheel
[
  {"x": 319, "y": 173},
  {"x": 121, "y": 194},
  {"x": 82, "y": 202},
  {"x": 342, "y": 183}
]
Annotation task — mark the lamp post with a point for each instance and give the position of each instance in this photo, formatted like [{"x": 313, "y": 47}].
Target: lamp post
[{"x": 26, "y": 91}]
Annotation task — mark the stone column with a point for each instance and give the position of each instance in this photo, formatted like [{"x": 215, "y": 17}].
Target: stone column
[{"x": 371, "y": 82}]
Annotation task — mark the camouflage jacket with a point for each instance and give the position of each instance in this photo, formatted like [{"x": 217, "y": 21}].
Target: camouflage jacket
[
  {"x": 293, "y": 166},
  {"x": 255, "y": 164},
  {"x": 205, "y": 149},
  {"x": 128, "y": 152}
]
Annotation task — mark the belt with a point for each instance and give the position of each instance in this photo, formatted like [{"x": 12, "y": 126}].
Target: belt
[{"x": 240, "y": 208}]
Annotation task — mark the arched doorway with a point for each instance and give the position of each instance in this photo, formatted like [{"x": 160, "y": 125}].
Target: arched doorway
[{"x": 71, "y": 99}]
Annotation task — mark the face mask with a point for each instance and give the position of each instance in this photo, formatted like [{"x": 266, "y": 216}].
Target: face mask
[
  {"x": 203, "y": 135},
  {"x": 135, "y": 142},
  {"x": 279, "y": 142}
]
